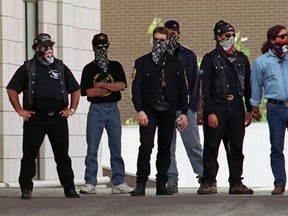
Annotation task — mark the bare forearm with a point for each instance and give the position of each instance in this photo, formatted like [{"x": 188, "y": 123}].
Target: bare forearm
[
  {"x": 75, "y": 99},
  {"x": 14, "y": 100},
  {"x": 96, "y": 92},
  {"x": 112, "y": 87}
]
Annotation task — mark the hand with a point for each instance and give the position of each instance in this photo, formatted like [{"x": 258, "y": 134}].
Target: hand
[
  {"x": 26, "y": 114},
  {"x": 248, "y": 118},
  {"x": 212, "y": 120},
  {"x": 66, "y": 112},
  {"x": 182, "y": 121},
  {"x": 200, "y": 119},
  {"x": 256, "y": 114},
  {"x": 142, "y": 118}
]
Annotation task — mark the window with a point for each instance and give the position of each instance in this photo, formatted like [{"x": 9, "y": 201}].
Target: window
[{"x": 30, "y": 23}]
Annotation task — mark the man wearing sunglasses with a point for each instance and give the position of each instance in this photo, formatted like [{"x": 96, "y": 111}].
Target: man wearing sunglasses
[
  {"x": 270, "y": 74},
  {"x": 225, "y": 75},
  {"x": 159, "y": 86},
  {"x": 101, "y": 81}
]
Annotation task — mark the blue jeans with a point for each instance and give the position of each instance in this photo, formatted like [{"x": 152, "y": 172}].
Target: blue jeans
[
  {"x": 100, "y": 116},
  {"x": 191, "y": 141},
  {"x": 277, "y": 116}
]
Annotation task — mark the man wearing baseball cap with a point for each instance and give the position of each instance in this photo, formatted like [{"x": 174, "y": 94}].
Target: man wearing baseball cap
[
  {"x": 101, "y": 82},
  {"x": 45, "y": 83},
  {"x": 225, "y": 78},
  {"x": 190, "y": 136}
]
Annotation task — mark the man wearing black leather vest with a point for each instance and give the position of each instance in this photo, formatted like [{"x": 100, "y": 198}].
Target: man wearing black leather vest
[
  {"x": 45, "y": 83},
  {"x": 225, "y": 74}
]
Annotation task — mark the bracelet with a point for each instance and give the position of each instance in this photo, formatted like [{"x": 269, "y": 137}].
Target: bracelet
[
  {"x": 199, "y": 112},
  {"x": 256, "y": 114},
  {"x": 73, "y": 110}
]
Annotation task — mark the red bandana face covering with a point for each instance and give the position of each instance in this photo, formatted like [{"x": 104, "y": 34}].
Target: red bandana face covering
[{"x": 281, "y": 48}]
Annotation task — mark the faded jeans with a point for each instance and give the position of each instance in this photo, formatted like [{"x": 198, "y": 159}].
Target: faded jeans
[
  {"x": 100, "y": 116},
  {"x": 191, "y": 141}
]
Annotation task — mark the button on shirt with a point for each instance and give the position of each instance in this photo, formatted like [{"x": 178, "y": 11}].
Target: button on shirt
[{"x": 272, "y": 73}]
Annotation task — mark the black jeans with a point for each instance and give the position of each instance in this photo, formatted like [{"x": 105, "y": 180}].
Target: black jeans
[
  {"x": 56, "y": 128},
  {"x": 165, "y": 121},
  {"x": 231, "y": 129}
]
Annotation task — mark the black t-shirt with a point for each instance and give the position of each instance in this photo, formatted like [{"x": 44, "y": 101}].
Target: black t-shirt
[
  {"x": 48, "y": 92},
  {"x": 92, "y": 73}
]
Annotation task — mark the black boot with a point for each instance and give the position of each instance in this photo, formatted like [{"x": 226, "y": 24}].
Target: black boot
[
  {"x": 161, "y": 189},
  {"x": 139, "y": 190},
  {"x": 26, "y": 194},
  {"x": 71, "y": 193}
]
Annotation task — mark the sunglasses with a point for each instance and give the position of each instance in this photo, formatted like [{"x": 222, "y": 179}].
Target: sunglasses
[
  {"x": 103, "y": 45},
  {"x": 229, "y": 35},
  {"x": 282, "y": 36}
]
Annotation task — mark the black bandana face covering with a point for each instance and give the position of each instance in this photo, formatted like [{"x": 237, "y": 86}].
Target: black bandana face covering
[
  {"x": 45, "y": 55},
  {"x": 173, "y": 43},
  {"x": 101, "y": 57},
  {"x": 158, "y": 49}
]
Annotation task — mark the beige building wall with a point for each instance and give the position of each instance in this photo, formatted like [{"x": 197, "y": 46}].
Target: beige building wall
[
  {"x": 126, "y": 22},
  {"x": 71, "y": 24}
]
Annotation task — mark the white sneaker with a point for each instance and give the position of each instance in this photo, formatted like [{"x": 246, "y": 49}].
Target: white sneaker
[
  {"x": 121, "y": 189},
  {"x": 88, "y": 189}
]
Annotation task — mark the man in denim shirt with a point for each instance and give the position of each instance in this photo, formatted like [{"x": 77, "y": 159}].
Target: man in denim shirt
[
  {"x": 190, "y": 136},
  {"x": 270, "y": 71}
]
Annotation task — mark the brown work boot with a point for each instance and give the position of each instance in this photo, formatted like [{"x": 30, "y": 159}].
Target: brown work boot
[
  {"x": 240, "y": 189},
  {"x": 206, "y": 189},
  {"x": 278, "y": 190}
]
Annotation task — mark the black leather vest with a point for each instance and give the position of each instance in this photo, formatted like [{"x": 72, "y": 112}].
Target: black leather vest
[
  {"x": 28, "y": 96},
  {"x": 220, "y": 85}
]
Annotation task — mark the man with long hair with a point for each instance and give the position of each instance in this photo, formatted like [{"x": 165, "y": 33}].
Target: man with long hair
[{"x": 270, "y": 70}]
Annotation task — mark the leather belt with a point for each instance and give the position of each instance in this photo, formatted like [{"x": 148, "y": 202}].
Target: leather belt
[
  {"x": 274, "y": 101},
  {"x": 231, "y": 97}
]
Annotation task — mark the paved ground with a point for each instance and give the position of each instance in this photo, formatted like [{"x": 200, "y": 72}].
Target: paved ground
[{"x": 51, "y": 201}]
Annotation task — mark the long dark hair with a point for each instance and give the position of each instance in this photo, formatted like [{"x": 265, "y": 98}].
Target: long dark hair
[{"x": 271, "y": 35}]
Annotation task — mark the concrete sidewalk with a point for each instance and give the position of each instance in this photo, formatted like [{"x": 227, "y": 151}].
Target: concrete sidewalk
[{"x": 51, "y": 201}]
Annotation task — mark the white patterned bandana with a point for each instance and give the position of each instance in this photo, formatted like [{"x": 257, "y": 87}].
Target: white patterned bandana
[
  {"x": 101, "y": 57},
  {"x": 158, "y": 49},
  {"x": 173, "y": 43}
]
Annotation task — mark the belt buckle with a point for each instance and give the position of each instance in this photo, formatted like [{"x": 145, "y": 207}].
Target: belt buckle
[
  {"x": 230, "y": 97},
  {"x": 285, "y": 103},
  {"x": 50, "y": 113}
]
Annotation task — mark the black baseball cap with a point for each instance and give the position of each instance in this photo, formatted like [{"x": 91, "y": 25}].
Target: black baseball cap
[
  {"x": 222, "y": 27},
  {"x": 172, "y": 24},
  {"x": 43, "y": 39},
  {"x": 100, "y": 39}
]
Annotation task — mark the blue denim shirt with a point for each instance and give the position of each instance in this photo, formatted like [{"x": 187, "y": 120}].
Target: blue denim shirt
[
  {"x": 189, "y": 62},
  {"x": 272, "y": 74}
]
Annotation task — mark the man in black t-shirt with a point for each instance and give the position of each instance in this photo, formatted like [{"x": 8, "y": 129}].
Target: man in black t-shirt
[
  {"x": 45, "y": 83},
  {"x": 102, "y": 80}
]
